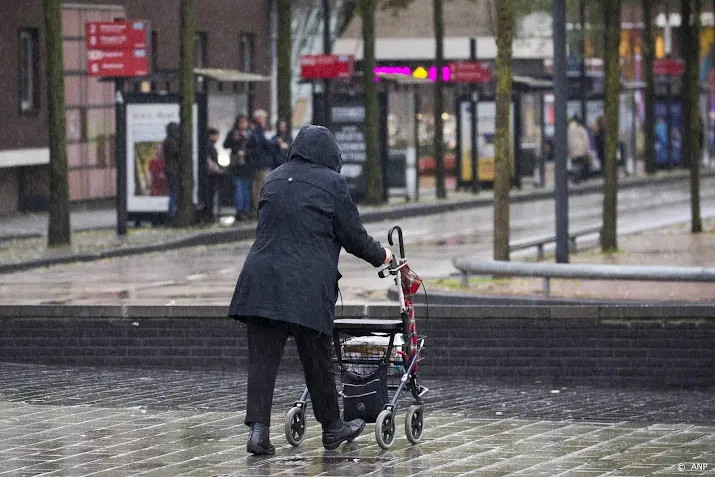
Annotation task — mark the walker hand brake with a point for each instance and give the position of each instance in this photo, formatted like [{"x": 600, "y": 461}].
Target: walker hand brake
[{"x": 390, "y": 269}]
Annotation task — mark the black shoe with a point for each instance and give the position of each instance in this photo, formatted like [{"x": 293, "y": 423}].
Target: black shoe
[
  {"x": 258, "y": 440},
  {"x": 340, "y": 431}
]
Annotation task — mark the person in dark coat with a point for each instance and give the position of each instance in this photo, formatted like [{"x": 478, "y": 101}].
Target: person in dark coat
[
  {"x": 172, "y": 155},
  {"x": 289, "y": 281},
  {"x": 261, "y": 156},
  {"x": 281, "y": 141},
  {"x": 241, "y": 168},
  {"x": 213, "y": 172}
]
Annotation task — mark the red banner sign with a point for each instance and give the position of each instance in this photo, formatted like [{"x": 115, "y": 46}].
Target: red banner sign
[
  {"x": 122, "y": 63},
  {"x": 326, "y": 66},
  {"x": 122, "y": 35},
  {"x": 469, "y": 72},
  {"x": 668, "y": 67}
]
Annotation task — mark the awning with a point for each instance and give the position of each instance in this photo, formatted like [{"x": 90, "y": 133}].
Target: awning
[
  {"x": 230, "y": 76},
  {"x": 532, "y": 83}
]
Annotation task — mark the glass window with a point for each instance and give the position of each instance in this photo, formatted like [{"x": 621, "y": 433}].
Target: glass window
[
  {"x": 28, "y": 69},
  {"x": 246, "y": 48},
  {"x": 200, "y": 41}
]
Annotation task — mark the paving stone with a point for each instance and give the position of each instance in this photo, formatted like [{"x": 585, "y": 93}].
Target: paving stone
[{"x": 66, "y": 421}]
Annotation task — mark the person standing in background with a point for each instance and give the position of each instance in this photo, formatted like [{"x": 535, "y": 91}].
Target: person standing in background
[
  {"x": 240, "y": 167},
  {"x": 213, "y": 172},
  {"x": 281, "y": 141},
  {"x": 261, "y": 155},
  {"x": 172, "y": 156}
]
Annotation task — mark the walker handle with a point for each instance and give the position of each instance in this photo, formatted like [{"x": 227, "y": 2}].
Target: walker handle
[{"x": 399, "y": 237}]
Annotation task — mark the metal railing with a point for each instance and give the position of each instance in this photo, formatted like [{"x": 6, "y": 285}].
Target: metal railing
[
  {"x": 542, "y": 240},
  {"x": 547, "y": 271}
]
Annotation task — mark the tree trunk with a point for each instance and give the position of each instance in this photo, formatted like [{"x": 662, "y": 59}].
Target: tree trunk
[
  {"x": 612, "y": 34},
  {"x": 686, "y": 37},
  {"x": 502, "y": 149},
  {"x": 438, "y": 98},
  {"x": 284, "y": 42},
  {"x": 693, "y": 112},
  {"x": 647, "y": 50},
  {"x": 373, "y": 171},
  {"x": 59, "y": 230},
  {"x": 185, "y": 212}
]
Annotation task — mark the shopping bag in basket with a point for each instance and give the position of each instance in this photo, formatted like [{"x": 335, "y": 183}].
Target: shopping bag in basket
[{"x": 364, "y": 396}]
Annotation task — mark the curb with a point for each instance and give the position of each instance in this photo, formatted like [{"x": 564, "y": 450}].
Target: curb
[{"x": 372, "y": 216}]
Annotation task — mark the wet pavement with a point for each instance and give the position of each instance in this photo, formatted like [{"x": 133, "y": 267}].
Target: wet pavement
[
  {"x": 68, "y": 421},
  {"x": 207, "y": 275}
]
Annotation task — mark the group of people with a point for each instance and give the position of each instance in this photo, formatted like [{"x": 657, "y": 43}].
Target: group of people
[{"x": 253, "y": 155}]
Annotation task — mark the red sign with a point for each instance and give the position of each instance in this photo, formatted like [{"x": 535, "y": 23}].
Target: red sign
[
  {"x": 668, "y": 67},
  {"x": 122, "y": 35},
  {"x": 117, "y": 48},
  {"x": 469, "y": 72},
  {"x": 326, "y": 66},
  {"x": 117, "y": 63}
]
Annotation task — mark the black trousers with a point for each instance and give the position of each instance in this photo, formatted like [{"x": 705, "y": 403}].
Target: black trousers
[{"x": 266, "y": 340}]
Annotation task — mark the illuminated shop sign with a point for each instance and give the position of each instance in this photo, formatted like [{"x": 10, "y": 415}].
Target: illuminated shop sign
[{"x": 420, "y": 72}]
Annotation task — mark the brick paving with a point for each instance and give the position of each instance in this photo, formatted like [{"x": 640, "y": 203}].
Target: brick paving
[{"x": 68, "y": 421}]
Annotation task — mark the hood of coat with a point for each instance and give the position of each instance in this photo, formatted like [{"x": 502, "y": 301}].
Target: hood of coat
[{"x": 316, "y": 144}]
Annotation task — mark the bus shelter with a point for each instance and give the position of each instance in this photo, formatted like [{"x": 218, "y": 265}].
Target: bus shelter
[{"x": 144, "y": 108}]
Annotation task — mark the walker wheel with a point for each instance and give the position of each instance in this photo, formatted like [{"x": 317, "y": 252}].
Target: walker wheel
[
  {"x": 414, "y": 423},
  {"x": 295, "y": 426},
  {"x": 385, "y": 429}
]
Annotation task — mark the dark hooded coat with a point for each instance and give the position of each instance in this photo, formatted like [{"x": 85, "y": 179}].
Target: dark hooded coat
[
  {"x": 305, "y": 216},
  {"x": 171, "y": 149}
]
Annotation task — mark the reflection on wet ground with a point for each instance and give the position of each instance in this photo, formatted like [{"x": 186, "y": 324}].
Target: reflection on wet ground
[
  {"x": 206, "y": 275},
  {"x": 66, "y": 421}
]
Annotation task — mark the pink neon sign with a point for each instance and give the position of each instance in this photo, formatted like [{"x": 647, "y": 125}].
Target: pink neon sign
[{"x": 407, "y": 71}]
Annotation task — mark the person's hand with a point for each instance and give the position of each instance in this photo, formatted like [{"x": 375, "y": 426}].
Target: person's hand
[{"x": 388, "y": 256}]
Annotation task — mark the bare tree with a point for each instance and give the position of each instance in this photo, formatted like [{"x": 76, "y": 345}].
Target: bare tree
[
  {"x": 284, "y": 44},
  {"x": 611, "y": 14},
  {"x": 438, "y": 21},
  {"x": 647, "y": 49},
  {"x": 692, "y": 127},
  {"x": 185, "y": 212},
  {"x": 506, "y": 15},
  {"x": 59, "y": 230},
  {"x": 373, "y": 171}
]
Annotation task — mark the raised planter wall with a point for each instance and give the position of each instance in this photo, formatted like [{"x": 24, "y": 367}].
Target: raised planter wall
[{"x": 654, "y": 346}]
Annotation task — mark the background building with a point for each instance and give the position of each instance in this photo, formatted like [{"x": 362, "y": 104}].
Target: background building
[{"x": 230, "y": 34}]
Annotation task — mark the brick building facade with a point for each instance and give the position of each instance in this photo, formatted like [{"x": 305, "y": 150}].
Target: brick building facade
[{"x": 230, "y": 34}]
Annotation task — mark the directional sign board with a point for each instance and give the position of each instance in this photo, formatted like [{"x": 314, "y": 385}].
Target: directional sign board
[
  {"x": 117, "y": 63},
  {"x": 469, "y": 72},
  {"x": 117, "y": 49},
  {"x": 326, "y": 66}
]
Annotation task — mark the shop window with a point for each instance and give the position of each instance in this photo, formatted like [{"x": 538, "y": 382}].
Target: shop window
[{"x": 29, "y": 77}]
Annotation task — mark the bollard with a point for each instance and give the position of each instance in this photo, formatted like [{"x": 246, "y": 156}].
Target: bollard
[
  {"x": 465, "y": 280},
  {"x": 546, "y": 285}
]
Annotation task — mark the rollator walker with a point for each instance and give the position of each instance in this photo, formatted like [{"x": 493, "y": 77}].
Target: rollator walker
[{"x": 373, "y": 358}]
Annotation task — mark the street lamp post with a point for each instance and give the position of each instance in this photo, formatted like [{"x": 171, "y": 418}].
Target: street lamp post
[{"x": 560, "y": 95}]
